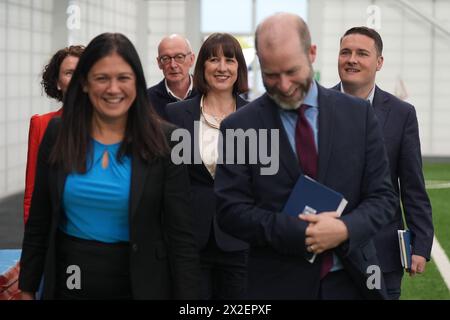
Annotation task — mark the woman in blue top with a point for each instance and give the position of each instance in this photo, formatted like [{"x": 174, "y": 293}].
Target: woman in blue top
[{"x": 108, "y": 214}]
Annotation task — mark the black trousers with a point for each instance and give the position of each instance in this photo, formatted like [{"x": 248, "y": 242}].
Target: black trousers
[
  {"x": 88, "y": 270},
  {"x": 393, "y": 282},
  {"x": 338, "y": 285},
  {"x": 223, "y": 274}
]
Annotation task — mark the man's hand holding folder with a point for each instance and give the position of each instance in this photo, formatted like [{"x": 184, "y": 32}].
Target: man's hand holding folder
[{"x": 325, "y": 231}]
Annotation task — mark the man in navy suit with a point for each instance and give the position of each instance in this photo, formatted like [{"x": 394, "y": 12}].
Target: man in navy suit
[
  {"x": 360, "y": 57},
  {"x": 175, "y": 58},
  {"x": 348, "y": 155}
]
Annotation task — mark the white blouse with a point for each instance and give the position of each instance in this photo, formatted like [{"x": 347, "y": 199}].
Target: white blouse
[{"x": 208, "y": 140}]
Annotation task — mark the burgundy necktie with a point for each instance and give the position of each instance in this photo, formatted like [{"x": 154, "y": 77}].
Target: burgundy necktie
[
  {"x": 308, "y": 158},
  {"x": 305, "y": 145}
]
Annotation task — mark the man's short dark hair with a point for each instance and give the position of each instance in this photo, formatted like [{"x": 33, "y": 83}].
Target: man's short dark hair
[{"x": 368, "y": 32}]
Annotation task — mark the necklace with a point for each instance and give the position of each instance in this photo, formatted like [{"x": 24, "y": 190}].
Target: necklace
[
  {"x": 217, "y": 118},
  {"x": 214, "y": 123}
]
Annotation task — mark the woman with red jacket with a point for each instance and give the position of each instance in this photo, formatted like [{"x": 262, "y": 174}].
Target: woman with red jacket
[{"x": 55, "y": 80}]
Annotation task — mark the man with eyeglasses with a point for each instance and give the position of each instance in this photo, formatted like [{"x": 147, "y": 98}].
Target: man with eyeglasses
[{"x": 175, "y": 58}]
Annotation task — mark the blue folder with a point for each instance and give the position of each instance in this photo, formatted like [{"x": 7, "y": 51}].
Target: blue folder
[
  {"x": 310, "y": 196},
  {"x": 404, "y": 241}
]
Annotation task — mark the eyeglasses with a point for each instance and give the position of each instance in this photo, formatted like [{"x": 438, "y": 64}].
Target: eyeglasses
[{"x": 179, "y": 58}]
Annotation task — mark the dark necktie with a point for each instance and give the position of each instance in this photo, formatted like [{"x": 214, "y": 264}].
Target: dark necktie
[
  {"x": 308, "y": 158},
  {"x": 305, "y": 145}
]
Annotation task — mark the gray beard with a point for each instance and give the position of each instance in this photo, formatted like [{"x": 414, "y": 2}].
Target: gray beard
[
  {"x": 284, "y": 105},
  {"x": 294, "y": 105}
]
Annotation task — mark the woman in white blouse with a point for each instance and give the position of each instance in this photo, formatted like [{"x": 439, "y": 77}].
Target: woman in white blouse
[{"x": 220, "y": 76}]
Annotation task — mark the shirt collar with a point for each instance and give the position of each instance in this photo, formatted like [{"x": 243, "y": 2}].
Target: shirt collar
[
  {"x": 191, "y": 84},
  {"x": 312, "y": 97},
  {"x": 369, "y": 97}
]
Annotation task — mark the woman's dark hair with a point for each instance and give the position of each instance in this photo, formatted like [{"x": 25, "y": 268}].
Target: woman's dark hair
[
  {"x": 214, "y": 45},
  {"x": 144, "y": 136},
  {"x": 50, "y": 74}
]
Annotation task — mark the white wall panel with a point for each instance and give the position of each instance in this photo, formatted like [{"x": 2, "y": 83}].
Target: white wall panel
[
  {"x": 2, "y": 160},
  {"x": 25, "y": 28},
  {"x": 3, "y": 175},
  {"x": 165, "y": 18},
  {"x": 31, "y": 31}
]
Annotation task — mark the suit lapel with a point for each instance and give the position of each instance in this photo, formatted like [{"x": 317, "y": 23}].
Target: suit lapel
[
  {"x": 379, "y": 103},
  {"x": 240, "y": 102},
  {"x": 271, "y": 120},
  {"x": 327, "y": 109},
  {"x": 191, "y": 118},
  {"x": 381, "y": 106},
  {"x": 61, "y": 177},
  {"x": 139, "y": 171},
  {"x": 192, "y": 115}
]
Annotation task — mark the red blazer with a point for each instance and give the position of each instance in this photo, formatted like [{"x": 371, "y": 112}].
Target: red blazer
[{"x": 38, "y": 125}]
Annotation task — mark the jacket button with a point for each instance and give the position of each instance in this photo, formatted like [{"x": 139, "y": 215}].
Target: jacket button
[{"x": 134, "y": 247}]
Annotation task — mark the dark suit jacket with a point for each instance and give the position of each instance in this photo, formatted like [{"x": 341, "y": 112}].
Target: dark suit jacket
[
  {"x": 184, "y": 114},
  {"x": 398, "y": 121},
  {"x": 352, "y": 160},
  {"x": 163, "y": 252},
  {"x": 159, "y": 98}
]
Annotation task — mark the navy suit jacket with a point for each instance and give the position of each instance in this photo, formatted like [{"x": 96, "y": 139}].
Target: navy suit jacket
[
  {"x": 160, "y": 98},
  {"x": 398, "y": 121},
  {"x": 183, "y": 114},
  {"x": 352, "y": 160}
]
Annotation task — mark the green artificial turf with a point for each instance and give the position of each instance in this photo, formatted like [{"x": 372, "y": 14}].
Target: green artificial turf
[{"x": 430, "y": 285}]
